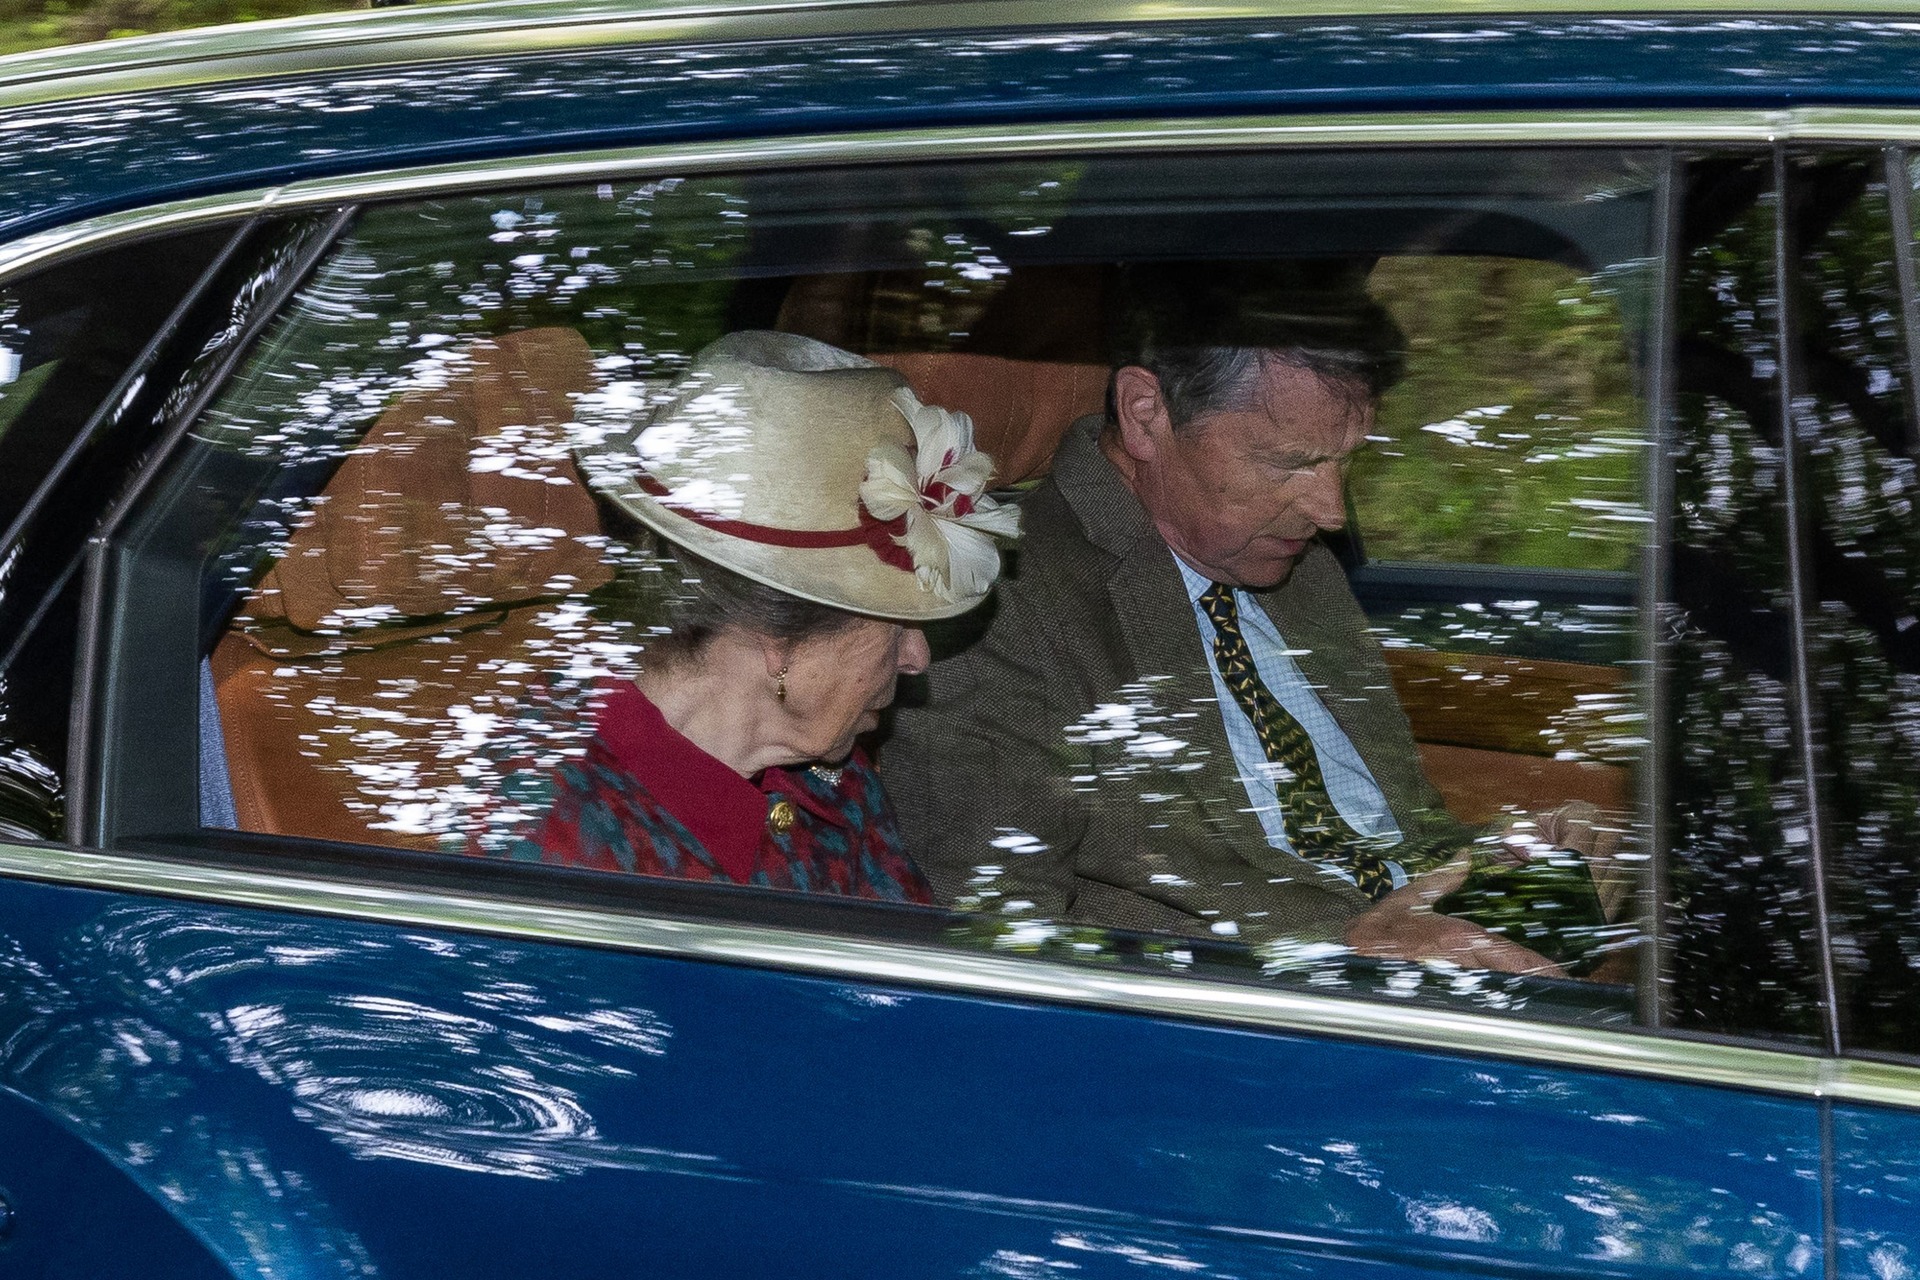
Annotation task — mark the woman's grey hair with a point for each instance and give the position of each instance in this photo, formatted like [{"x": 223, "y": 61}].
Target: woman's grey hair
[
  {"x": 1207, "y": 331},
  {"x": 702, "y": 600},
  {"x": 685, "y": 600}
]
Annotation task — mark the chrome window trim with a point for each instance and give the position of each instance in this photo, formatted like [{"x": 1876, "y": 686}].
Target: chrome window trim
[
  {"x": 1777, "y": 1071},
  {"x": 1793, "y": 498},
  {"x": 1772, "y": 1071},
  {"x": 1651, "y": 784},
  {"x": 1488, "y": 128},
  {"x": 346, "y": 42}
]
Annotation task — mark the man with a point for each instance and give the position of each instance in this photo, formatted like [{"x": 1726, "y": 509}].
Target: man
[{"x": 1177, "y": 720}]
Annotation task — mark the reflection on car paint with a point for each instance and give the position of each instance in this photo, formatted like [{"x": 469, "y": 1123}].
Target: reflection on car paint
[
  {"x": 498, "y": 1061},
  {"x": 136, "y": 1091},
  {"x": 66, "y": 157},
  {"x": 482, "y": 1082},
  {"x": 1877, "y": 1195}
]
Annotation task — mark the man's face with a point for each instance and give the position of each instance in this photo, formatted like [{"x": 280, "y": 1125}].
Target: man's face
[{"x": 1239, "y": 494}]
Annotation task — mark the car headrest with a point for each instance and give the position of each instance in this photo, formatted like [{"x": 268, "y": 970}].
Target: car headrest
[
  {"x": 1034, "y": 360},
  {"x": 1020, "y": 408},
  {"x": 462, "y": 498}
]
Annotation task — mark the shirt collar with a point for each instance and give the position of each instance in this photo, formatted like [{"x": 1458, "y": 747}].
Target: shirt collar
[{"x": 1195, "y": 582}]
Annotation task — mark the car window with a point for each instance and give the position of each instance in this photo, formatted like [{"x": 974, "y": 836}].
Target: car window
[
  {"x": 1738, "y": 889},
  {"x": 71, "y": 336},
  {"x": 1532, "y": 451},
  {"x": 1498, "y": 525},
  {"x": 1856, "y": 415},
  {"x": 21, "y": 383},
  {"x": 393, "y": 587}
]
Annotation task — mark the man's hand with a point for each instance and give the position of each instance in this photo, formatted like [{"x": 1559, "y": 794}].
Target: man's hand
[
  {"x": 1579, "y": 827},
  {"x": 1404, "y": 926}
]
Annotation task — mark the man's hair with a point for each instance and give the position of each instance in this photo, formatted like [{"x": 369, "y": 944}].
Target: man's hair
[{"x": 1208, "y": 330}]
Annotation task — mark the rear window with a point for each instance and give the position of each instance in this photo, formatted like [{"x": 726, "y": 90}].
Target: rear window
[{"x": 388, "y": 587}]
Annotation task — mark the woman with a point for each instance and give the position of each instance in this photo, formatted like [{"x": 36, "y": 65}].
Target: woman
[{"x": 813, "y": 514}]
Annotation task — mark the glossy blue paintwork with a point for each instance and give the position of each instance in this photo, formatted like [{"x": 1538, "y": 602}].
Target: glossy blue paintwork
[
  {"x": 1876, "y": 1167},
  {"x": 320, "y": 1098},
  {"x": 313, "y": 1098},
  {"x": 69, "y": 159},
  {"x": 70, "y": 1210}
]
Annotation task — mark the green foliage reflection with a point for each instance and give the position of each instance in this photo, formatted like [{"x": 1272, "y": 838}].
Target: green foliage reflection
[
  {"x": 38, "y": 24},
  {"x": 1516, "y": 437}
]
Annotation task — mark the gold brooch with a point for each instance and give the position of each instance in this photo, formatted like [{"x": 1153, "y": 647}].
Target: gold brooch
[{"x": 780, "y": 817}]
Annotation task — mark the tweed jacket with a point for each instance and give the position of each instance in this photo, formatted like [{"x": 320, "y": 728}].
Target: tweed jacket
[{"x": 1072, "y": 763}]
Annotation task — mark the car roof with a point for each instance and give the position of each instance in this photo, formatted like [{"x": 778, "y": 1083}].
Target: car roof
[
  {"x": 304, "y": 113},
  {"x": 409, "y": 34}
]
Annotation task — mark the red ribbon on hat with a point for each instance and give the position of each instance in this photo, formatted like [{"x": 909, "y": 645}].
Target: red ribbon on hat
[
  {"x": 933, "y": 493},
  {"x": 882, "y": 536}
]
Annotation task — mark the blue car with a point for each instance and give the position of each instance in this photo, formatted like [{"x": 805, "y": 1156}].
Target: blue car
[{"x": 307, "y": 594}]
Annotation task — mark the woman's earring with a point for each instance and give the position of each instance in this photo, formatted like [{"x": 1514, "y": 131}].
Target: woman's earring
[{"x": 780, "y": 690}]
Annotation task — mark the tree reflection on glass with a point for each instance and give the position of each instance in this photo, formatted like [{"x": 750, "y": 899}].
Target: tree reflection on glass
[
  {"x": 1740, "y": 928},
  {"x": 1856, "y": 416}
]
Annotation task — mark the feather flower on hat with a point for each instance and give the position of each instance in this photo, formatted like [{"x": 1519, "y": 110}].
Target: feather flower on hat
[{"x": 940, "y": 489}]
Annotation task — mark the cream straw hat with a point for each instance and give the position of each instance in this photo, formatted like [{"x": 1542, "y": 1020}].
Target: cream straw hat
[{"x": 814, "y": 471}]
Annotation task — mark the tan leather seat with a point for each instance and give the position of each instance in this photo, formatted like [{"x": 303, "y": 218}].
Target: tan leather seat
[
  {"x": 1033, "y": 363},
  {"x": 1513, "y": 734},
  {"x": 1504, "y": 735},
  {"x": 1020, "y": 408},
  {"x": 414, "y": 606}
]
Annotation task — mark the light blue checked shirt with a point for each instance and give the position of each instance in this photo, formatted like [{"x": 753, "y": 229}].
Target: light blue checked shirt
[{"x": 1349, "y": 783}]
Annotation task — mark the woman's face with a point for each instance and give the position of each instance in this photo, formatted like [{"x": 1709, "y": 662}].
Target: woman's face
[{"x": 838, "y": 683}]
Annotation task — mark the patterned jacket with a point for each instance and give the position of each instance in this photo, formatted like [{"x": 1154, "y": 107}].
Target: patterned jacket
[{"x": 645, "y": 801}]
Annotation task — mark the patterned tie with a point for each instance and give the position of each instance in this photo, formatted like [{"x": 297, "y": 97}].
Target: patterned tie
[{"x": 1313, "y": 825}]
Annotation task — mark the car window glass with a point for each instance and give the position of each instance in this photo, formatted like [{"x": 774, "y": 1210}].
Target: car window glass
[
  {"x": 1856, "y": 416},
  {"x": 415, "y": 607},
  {"x": 1531, "y": 452},
  {"x": 1500, "y": 519},
  {"x": 1739, "y": 931},
  {"x": 19, "y": 383},
  {"x": 69, "y": 334}
]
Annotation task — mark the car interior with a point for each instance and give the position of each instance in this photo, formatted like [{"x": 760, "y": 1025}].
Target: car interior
[
  {"x": 365, "y": 595},
  {"x": 355, "y": 646}
]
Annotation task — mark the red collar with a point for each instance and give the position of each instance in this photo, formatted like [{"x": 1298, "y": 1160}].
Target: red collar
[{"x": 725, "y": 812}]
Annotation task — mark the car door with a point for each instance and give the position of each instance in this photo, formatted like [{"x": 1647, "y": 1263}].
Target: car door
[
  {"x": 259, "y": 976},
  {"x": 1853, "y": 250}
]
